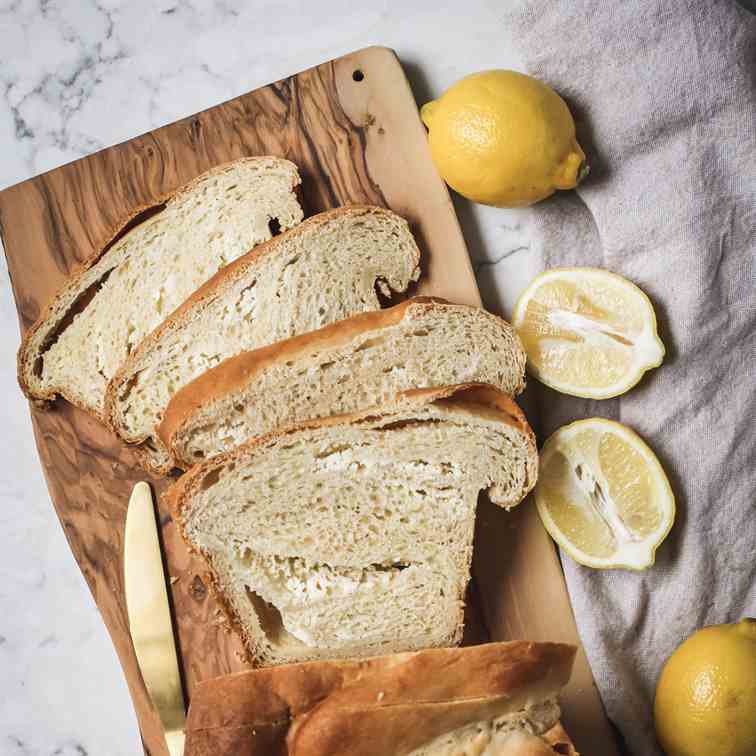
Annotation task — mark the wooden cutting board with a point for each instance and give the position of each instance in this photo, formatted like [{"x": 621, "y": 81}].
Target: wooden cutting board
[{"x": 352, "y": 127}]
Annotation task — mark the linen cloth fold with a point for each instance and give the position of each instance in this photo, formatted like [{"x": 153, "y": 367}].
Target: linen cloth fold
[{"x": 664, "y": 94}]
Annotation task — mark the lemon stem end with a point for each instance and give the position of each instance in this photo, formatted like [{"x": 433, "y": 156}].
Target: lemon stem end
[{"x": 583, "y": 172}]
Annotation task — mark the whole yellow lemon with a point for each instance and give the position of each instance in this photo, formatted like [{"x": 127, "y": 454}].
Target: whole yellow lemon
[
  {"x": 706, "y": 695},
  {"x": 503, "y": 138}
]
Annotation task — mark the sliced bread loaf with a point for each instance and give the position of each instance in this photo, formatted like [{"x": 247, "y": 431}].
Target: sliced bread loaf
[
  {"x": 356, "y": 363},
  {"x": 328, "y": 268},
  {"x": 495, "y": 699},
  {"x": 145, "y": 272},
  {"x": 352, "y": 535}
]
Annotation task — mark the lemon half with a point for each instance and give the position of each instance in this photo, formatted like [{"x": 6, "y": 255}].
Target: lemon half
[
  {"x": 587, "y": 332},
  {"x": 603, "y": 495}
]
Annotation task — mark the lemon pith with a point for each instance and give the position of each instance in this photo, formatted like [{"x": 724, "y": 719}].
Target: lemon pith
[
  {"x": 587, "y": 332},
  {"x": 603, "y": 496},
  {"x": 706, "y": 694},
  {"x": 503, "y": 138}
]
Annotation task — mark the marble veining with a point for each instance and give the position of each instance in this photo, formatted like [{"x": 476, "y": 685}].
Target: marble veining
[{"x": 79, "y": 75}]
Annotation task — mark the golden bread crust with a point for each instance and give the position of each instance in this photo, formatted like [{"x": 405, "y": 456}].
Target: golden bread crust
[
  {"x": 212, "y": 289},
  {"x": 379, "y": 706},
  {"x": 236, "y": 372}
]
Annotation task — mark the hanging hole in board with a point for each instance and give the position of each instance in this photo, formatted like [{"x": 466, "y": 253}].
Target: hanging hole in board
[{"x": 358, "y": 75}]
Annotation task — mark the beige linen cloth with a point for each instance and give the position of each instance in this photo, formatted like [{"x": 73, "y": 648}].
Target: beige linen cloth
[{"x": 664, "y": 95}]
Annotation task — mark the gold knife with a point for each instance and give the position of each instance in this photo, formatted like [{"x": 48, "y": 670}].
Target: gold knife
[{"x": 150, "y": 616}]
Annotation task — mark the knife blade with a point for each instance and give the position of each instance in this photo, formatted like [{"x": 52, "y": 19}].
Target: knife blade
[{"x": 150, "y": 616}]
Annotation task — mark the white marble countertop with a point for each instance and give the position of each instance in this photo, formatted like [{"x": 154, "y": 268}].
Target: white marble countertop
[{"x": 79, "y": 75}]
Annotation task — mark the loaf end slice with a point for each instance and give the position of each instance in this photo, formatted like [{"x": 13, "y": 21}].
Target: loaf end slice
[
  {"x": 144, "y": 272},
  {"x": 352, "y": 536},
  {"x": 496, "y": 698},
  {"x": 331, "y": 266},
  {"x": 359, "y": 362}
]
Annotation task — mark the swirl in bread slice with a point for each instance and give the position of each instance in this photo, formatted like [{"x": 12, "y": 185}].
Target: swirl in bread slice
[
  {"x": 359, "y": 362},
  {"x": 352, "y": 535},
  {"x": 329, "y": 267},
  {"x": 150, "y": 266}
]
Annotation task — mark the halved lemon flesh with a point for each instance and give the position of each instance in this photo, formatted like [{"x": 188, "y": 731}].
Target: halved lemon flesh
[
  {"x": 603, "y": 495},
  {"x": 587, "y": 332}
]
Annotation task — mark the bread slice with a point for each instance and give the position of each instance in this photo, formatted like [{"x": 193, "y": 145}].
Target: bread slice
[
  {"x": 144, "y": 272},
  {"x": 352, "y": 536},
  {"x": 496, "y": 699},
  {"x": 356, "y": 363},
  {"x": 326, "y": 269}
]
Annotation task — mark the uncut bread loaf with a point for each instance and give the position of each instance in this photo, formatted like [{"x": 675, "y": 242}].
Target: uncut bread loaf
[
  {"x": 330, "y": 267},
  {"x": 496, "y": 699},
  {"x": 138, "y": 278},
  {"x": 352, "y": 536},
  {"x": 356, "y": 363}
]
